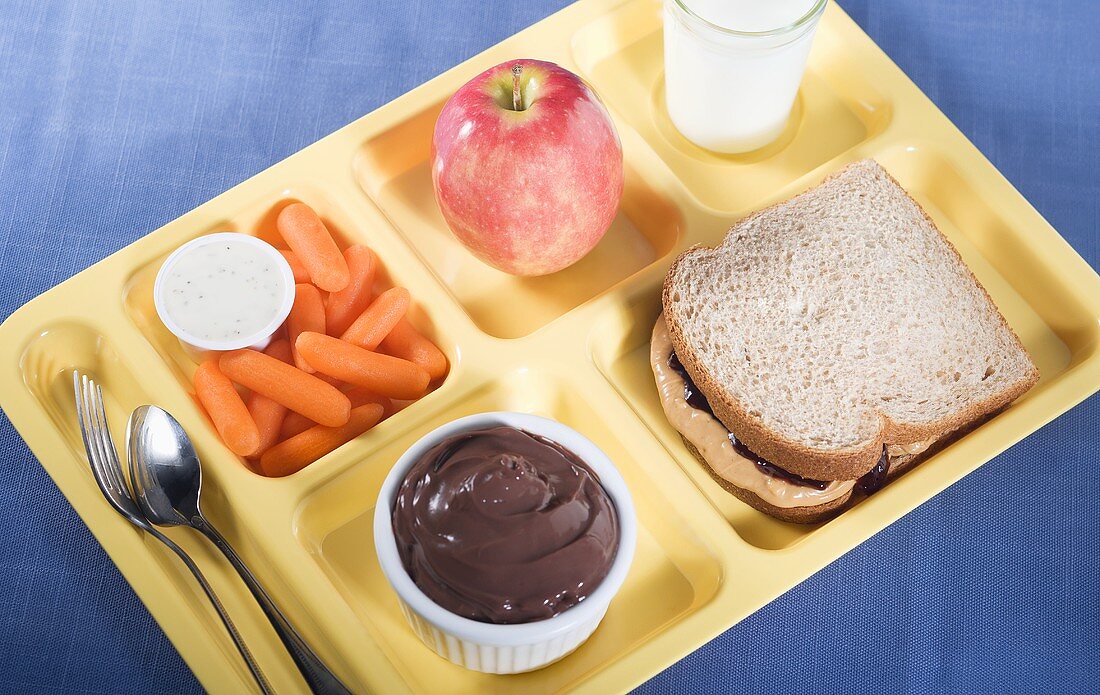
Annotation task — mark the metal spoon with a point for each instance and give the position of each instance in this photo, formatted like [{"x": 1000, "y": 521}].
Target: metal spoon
[{"x": 167, "y": 480}]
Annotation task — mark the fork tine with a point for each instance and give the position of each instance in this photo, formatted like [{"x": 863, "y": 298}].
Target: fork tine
[
  {"x": 87, "y": 429},
  {"x": 96, "y": 432},
  {"x": 114, "y": 464},
  {"x": 99, "y": 426},
  {"x": 89, "y": 416},
  {"x": 96, "y": 419},
  {"x": 81, "y": 416},
  {"x": 89, "y": 422},
  {"x": 102, "y": 456}
]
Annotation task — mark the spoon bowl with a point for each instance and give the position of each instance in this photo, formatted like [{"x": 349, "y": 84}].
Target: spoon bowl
[{"x": 164, "y": 468}]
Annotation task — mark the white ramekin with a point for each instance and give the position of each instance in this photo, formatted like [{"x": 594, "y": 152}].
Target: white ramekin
[
  {"x": 505, "y": 648},
  {"x": 197, "y": 346}
]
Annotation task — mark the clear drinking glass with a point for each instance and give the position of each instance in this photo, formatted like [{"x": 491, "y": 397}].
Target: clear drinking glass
[{"x": 732, "y": 67}]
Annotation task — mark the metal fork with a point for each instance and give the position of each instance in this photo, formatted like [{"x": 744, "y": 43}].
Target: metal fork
[{"x": 107, "y": 470}]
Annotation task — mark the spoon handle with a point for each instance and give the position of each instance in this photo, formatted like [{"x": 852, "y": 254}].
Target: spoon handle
[
  {"x": 261, "y": 680},
  {"x": 318, "y": 676}
]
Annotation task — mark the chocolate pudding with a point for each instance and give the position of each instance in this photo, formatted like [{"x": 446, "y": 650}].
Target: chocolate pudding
[{"x": 500, "y": 525}]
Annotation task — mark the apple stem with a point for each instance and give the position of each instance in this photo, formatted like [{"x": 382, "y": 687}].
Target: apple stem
[{"x": 517, "y": 94}]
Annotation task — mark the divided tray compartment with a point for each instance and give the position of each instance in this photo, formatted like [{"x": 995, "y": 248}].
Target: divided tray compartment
[
  {"x": 670, "y": 562},
  {"x": 573, "y": 346},
  {"x": 394, "y": 169},
  {"x": 1052, "y": 322},
  {"x": 257, "y": 217},
  {"x": 836, "y": 109}
]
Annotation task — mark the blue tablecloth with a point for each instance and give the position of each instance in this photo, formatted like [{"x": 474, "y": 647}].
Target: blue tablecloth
[{"x": 117, "y": 117}]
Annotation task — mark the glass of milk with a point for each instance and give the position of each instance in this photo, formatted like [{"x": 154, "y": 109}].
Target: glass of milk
[{"x": 732, "y": 68}]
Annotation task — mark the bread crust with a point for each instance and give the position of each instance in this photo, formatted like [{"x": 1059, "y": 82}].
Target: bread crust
[{"x": 832, "y": 464}]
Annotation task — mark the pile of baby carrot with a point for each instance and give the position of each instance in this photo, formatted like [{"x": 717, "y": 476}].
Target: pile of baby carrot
[{"x": 343, "y": 361}]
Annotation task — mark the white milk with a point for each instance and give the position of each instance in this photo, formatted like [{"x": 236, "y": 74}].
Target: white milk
[{"x": 728, "y": 91}]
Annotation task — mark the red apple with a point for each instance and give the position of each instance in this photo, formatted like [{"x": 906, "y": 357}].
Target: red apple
[{"x": 527, "y": 167}]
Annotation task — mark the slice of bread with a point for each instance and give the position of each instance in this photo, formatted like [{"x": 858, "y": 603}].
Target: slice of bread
[{"x": 838, "y": 321}]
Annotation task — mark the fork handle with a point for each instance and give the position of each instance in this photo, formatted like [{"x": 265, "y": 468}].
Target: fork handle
[
  {"x": 261, "y": 680},
  {"x": 320, "y": 679}
]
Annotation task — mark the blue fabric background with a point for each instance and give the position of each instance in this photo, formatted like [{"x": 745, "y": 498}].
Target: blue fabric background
[{"x": 117, "y": 117}]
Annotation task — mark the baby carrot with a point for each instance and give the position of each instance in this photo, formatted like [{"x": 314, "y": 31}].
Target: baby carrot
[
  {"x": 296, "y": 267},
  {"x": 303, "y": 449},
  {"x": 308, "y": 238},
  {"x": 280, "y": 349},
  {"x": 268, "y": 414},
  {"x": 307, "y": 314},
  {"x": 330, "y": 380},
  {"x": 378, "y": 319},
  {"x": 226, "y": 408},
  {"x": 282, "y": 383},
  {"x": 345, "y": 305},
  {"x": 385, "y": 375},
  {"x": 362, "y": 396},
  {"x": 296, "y": 423},
  {"x": 406, "y": 342}
]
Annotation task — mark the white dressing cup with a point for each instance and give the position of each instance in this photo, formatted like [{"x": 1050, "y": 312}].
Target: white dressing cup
[{"x": 224, "y": 291}]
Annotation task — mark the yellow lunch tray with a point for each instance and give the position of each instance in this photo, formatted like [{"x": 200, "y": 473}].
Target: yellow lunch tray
[{"x": 572, "y": 346}]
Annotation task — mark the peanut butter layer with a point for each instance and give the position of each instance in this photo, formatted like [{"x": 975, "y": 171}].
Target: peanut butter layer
[{"x": 711, "y": 438}]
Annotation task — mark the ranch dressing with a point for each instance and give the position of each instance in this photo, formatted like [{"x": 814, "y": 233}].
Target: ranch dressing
[{"x": 224, "y": 291}]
